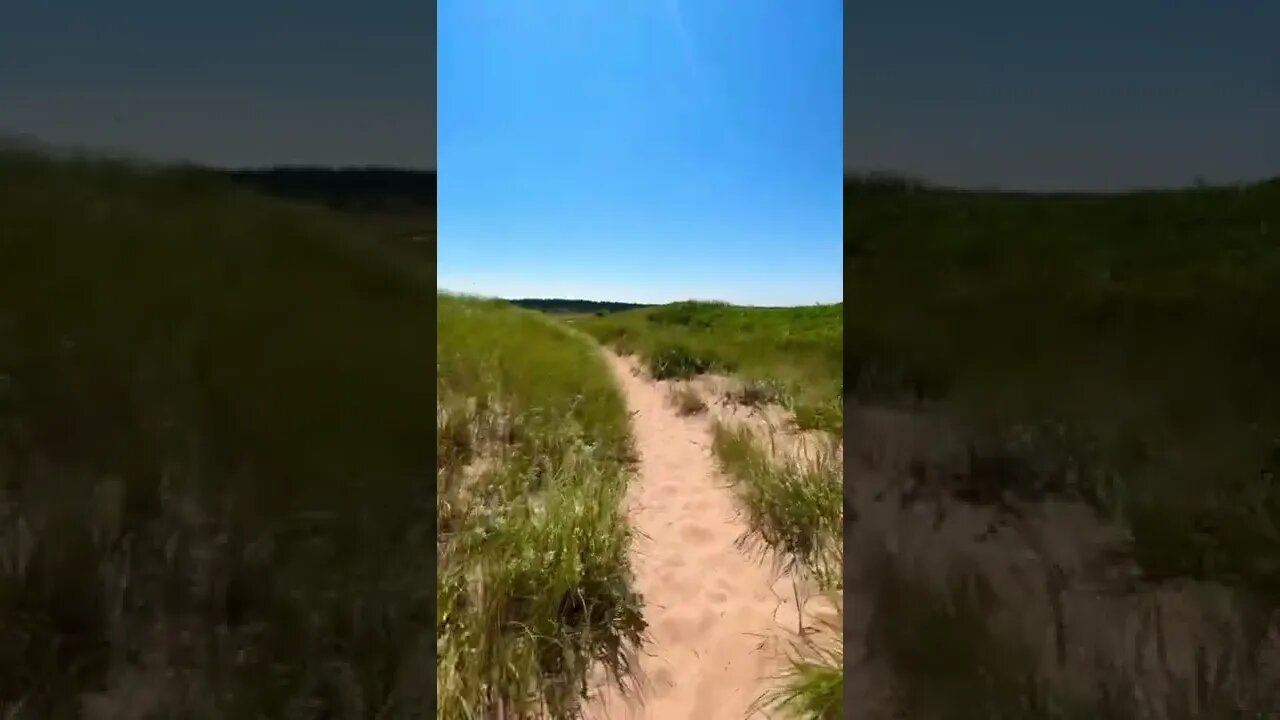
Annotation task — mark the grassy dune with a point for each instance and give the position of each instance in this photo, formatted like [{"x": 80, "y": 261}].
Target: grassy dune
[
  {"x": 793, "y": 504},
  {"x": 533, "y": 450},
  {"x": 1119, "y": 350},
  {"x": 791, "y": 355},
  {"x": 1136, "y": 336},
  {"x": 794, "y": 510},
  {"x": 214, "y": 488}
]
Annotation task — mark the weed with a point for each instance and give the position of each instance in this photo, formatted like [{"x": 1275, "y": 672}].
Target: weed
[
  {"x": 686, "y": 400},
  {"x": 755, "y": 393},
  {"x": 953, "y": 661},
  {"x": 812, "y": 686},
  {"x": 818, "y": 415},
  {"x": 793, "y": 504},
  {"x": 677, "y": 361},
  {"x": 943, "y": 650}
]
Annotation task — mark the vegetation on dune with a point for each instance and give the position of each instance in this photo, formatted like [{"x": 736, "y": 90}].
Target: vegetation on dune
[
  {"x": 797, "y": 353},
  {"x": 812, "y": 685},
  {"x": 951, "y": 663},
  {"x": 789, "y": 356},
  {"x": 397, "y": 206},
  {"x": 358, "y": 190},
  {"x": 533, "y": 454},
  {"x": 1130, "y": 341},
  {"x": 793, "y": 508},
  {"x": 213, "y": 476},
  {"x": 561, "y": 306},
  {"x": 793, "y": 504},
  {"x": 1114, "y": 349},
  {"x": 954, "y": 661}
]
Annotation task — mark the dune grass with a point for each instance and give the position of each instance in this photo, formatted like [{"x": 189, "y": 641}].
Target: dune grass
[
  {"x": 793, "y": 505},
  {"x": 533, "y": 455},
  {"x": 794, "y": 511},
  {"x": 949, "y": 662},
  {"x": 214, "y": 480},
  {"x": 794, "y": 353},
  {"x": 812, "y": 685},
  {"x": 1130, "y": 341},
  {"x": 1114, "y": 349},
  {"x": 952, "y": 661}
]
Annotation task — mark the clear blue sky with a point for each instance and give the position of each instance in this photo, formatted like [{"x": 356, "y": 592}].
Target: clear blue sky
[
  {"x": 1052, "y": 96},
  {"x": 635, "y": 150},
  {"x": 233, "y": 82}
]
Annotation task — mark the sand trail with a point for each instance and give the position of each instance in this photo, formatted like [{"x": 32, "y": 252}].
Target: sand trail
[{"x": 720, "y": 619}]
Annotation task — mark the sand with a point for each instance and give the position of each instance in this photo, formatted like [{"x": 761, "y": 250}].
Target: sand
[{"x": 720, "y": 619}]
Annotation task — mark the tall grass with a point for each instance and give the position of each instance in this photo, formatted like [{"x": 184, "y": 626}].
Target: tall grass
[
  {"x": 812, "y": 685},
  {"x": 796, "y": 351},
  {"x": 534, "y": 583},
  {"x": 214, "y": 489},
  {"x": 1141, "y": 327},
  {"x": 793, "y": 506},
  {"x": 951, "y": 660},
  {"x": 1108, "y": 349},
  {"x": 947, "y": 659}
]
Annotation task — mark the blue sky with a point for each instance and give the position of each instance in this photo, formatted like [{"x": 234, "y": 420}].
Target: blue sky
[
  {"x": 1086, "y": 95},
  {"x": 232, "y": 82},
  {"x": 641, "y": 150}
]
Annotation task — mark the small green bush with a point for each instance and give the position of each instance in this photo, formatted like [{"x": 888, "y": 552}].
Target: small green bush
[{"x": 677, "y": 361}]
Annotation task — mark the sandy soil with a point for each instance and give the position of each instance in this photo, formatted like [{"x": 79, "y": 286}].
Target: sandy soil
[
  {"x": 1065, "y": 581},
  {"x": 720, "y": 619}
]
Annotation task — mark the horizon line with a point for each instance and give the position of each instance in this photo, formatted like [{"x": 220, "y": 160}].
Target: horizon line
[
  {"x": 706, "y": 301},
  {"x": 909, "y": 181}
]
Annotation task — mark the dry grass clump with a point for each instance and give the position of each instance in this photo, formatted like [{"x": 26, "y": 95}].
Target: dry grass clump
[{"x": 686, "y": 400}]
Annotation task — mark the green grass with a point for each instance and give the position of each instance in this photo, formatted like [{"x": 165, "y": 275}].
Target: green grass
[
  {"x": 214, "y": 479},
  {"x": 534, "y": 579},
  {"x": 567, "y": 307},
  {"x": 952, "y": 661},
  {"x": 793, "y": 508},
  {"x": 948, "y": 661},
  {"x": 793, "y": 505},
  {"x": 798, "y": 352},
  {"x": 1114, "y": 349},
  {"x": 812, "y": 685},
  {"x": 1133, "y": 339},
  {"x": 686, "y": 400}
]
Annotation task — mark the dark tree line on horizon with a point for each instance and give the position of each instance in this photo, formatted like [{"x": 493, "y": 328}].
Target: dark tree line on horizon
[
  {"x": 371, "y": 189},
  {"x": 562, "y": 305}
]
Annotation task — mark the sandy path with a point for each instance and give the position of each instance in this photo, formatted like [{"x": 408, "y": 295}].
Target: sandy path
[{"x": 718, "y": 617}]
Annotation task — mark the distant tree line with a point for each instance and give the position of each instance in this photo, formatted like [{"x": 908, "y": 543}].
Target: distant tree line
[
  {"x": 561, "y": 305},
  {"x": 372, "y": 189}
]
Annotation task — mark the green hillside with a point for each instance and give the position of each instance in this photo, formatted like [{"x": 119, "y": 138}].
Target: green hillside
[
  {"x": 1132, "y": 337},
  {"x": 213, "y": 467},
  {"x": 792, "y": 355}
]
